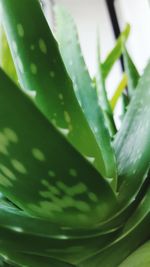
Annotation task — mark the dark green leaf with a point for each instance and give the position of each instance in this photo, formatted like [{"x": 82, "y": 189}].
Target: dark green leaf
[
  {"x": 22, "y": 259},
  {"x": 134, "y": 235},
  {"x": 39, "y": 237},
  {"x": 132, "y": 143},
  {"x": 65, "y": 188},
  {"x": 41, "y": 70},
  {"x": 84, "y": 89},
  {"x": 132, "y": 73}
]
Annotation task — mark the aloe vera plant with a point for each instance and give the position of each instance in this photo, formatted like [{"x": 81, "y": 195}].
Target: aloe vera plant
[{"x": 74, "y": 190}]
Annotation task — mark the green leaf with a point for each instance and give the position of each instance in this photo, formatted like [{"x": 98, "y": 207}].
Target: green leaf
[
  {"x": 102, "y": 96},
  {"x": 65, "y": 188},
  {"x": 6, "y": 61},
  {"x": 4, "y": 264},
  {"x": 131, "y": 71},
  {"x": 83, "y": 86},
  {"x": 41, "y": 70},
  {"x": 135, "y": 234},
  {"x": 22, "y": 259},
  {"x": 69, "y": 245},
  {"x": 132, "y": 143},
  {"x": 116, "y": 52},
  {"x": 122, "y": 85},
  {"x": 125, "y": 103},
  {"x": 141, "y": 257}
]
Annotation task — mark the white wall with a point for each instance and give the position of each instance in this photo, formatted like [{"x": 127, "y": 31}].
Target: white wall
[
  {"x": 137, "y": 13},
  {"x": 47, "y": 7}
]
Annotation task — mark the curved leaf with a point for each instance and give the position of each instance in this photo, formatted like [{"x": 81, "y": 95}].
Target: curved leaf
[
  {"x": 21, "y": 259},
  {"x": 41, "y": 70},
  {"x": 135, "y": 234},
  {"x": 64, "y": 188},
  {"x": 141, "y": 257},
  {"x": 116, "y": 52},
  {"x": 132, "y": 143},
  {"x": 47, "y": 238},
  {"x": 83, "y": 86},
  {"x": 131, "y": 71}
]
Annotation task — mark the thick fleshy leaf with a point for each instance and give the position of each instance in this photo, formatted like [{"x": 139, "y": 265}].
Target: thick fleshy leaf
[
  {"x": 84, "y": 90},
  {"x": 48, "y": 239},
  {"x": 102, "y": 95},
  {"x": 22, "y": 259},
  {"x": 135, "y": 233},
  {"x": 116, "y": 52},
  {"x": 6, "y": 61},
  {"x": 65, "y": 188},
  {"x": 4, "y": 264},
  {"x": 41, "y": 70},
  {"x": 121, "y": 216},
  {"x": 131, "y": 71},
  {"x": 132, "y": 143},
  {"x": 141, "y": 257}
]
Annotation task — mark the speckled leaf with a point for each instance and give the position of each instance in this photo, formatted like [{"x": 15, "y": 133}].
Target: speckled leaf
[
  {"x": 40, "y": 171},
  {"x": 48, "y": 239},
  {"x": 41, "y": 70},
  {"x": 83, "y": 86},
  {"x": 132, "y": 73},
  {"x": 134, "y": 234},
  {"x": 132, "y": 143},
  {"x": 6, "y": 61},
  {"x": 102, "y": 95},
  {"x": 116, "y": 52}
]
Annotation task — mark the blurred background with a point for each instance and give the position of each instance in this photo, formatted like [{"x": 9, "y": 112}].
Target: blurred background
[{"x": 108, "y": 17}]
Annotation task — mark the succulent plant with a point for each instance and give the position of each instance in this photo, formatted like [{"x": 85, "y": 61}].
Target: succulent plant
[{"x": 74, "y": 188}]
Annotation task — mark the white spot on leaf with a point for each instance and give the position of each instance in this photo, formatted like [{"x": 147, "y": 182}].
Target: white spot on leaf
[
  {"x": 51, "y": 173},
  {"x": 64, "y": 131},
  {"x": 38, "y": 154},
  {"x": 90, "y": 159},
  {"x": 32, "y": 47},
  {"x": 11, "y": 135},
  {"x": 20, "y": 30},
  {"x": 42, "y": 46},
  {"x": 8, "y": 173},
  {"x": 5, "y": 181},
  {"x": 60, "y": 96},
  {"x": 67, "y": 117},
  {"x": 92, "y": 196},
  {"x": 17, "y": 229},
  {"x": 18, "y": 166},
  {"x": 73, "y": 172},
  {"x": 52, "y": 74},
  {"x": 33, "y": 68}
]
